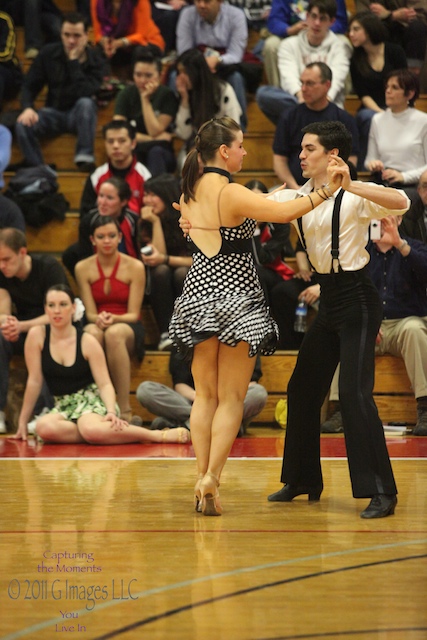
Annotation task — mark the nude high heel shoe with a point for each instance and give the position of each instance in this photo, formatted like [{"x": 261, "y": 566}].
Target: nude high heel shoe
[
  {"x": 197, "y": 493},
  {"x": 211, "y": 505}
]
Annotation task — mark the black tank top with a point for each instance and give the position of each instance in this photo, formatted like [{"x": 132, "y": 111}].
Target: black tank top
[{"x": 62, "y": 380}]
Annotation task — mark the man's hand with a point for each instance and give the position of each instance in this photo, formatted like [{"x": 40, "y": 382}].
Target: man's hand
[
  {"x": 184, "y": 225},
  {"x": 10, "y": 329},
  {"x": 78, "y": 52},
  {"x": 276, "y": 190},
  {"x": 390, "y": 231},
  {"x": 28, "y": 117},
  {"x": 338, "y": 173},
  {"x": 311, "y": 294},
  {"x": 213, "y": 62}
]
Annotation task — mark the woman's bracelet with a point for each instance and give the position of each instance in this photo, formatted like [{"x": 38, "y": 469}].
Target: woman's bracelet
[
  {"x": 167, "y": 259},
  {"x": 326, "y": 189},
  {"x": 309, "y": 197},
  {"x": 324, "y": 197}
]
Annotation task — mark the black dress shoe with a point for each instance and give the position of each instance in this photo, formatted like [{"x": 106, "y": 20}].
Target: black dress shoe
[
  {"x": 381, "y": 506},
  {"x": 288, "y": 492}
]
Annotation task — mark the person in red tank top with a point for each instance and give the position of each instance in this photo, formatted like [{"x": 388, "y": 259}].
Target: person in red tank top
[{"x": 112, "y": 287}]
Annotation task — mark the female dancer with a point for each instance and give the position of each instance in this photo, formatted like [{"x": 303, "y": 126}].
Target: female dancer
[
  {"x": 221, "y": 317},
  {"x": 73, "y": 365},
  {"x": 112, "y": 286}
]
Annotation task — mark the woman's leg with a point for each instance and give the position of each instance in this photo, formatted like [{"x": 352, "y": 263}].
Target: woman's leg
[
  {"x": 53, "y": 427},
  {"x": 95, "y": 429},
  {"x": 235, "y": 369},
  {"x": 205, "y": 374},
  {"x": 119, "y": 345}
]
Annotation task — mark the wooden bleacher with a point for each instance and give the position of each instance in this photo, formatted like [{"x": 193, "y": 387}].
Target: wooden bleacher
[{"x": 393, "y": 393}]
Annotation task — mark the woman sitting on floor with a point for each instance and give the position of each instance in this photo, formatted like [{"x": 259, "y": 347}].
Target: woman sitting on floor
[{"x": 73, "y": 365}]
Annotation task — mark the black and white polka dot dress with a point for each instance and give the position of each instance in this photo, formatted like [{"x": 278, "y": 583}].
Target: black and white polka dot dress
[{"x": 222, "y": 297}]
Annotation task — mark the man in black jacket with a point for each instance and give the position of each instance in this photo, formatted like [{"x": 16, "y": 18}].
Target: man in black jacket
[{"x": 72, "y": 71}]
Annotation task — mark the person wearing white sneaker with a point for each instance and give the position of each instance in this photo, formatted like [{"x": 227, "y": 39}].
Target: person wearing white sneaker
[{"x": 74, "y": 367}]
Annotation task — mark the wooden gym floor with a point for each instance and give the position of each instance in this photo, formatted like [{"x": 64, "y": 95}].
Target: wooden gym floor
[{"x": 103, "y": 542}]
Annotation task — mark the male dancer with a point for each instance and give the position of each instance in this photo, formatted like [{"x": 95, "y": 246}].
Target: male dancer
[{"x": 344, "y": 330}]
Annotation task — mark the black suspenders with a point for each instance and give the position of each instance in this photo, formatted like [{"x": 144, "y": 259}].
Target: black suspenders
[{"x": 335, "y": 233}]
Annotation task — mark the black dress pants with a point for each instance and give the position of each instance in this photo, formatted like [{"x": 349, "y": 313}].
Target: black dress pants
[{"x": 344, "y": 331}]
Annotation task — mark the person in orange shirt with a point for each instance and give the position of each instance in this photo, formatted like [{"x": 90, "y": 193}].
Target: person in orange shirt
[{"x": 122, "y": 26}]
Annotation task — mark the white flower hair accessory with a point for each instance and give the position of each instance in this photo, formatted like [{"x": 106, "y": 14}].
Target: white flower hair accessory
[{"x": 80, "y": 309}]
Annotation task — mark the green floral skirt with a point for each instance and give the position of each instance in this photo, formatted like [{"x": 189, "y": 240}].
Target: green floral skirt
[{"x": 72, "y": 406}]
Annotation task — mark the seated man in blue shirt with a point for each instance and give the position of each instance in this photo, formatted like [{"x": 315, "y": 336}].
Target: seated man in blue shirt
[
  {"x": 316, "y": 81},
  {"x": 221, "y": 31}
]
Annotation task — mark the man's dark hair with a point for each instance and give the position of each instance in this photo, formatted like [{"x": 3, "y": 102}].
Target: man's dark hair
[
  {"x": 74, "y": 17},
  {"x": 332, "y": 135},
  {"x": 325, "y": 71},
  {"x": 119, "y": 124},
  {"x": 148, "y": 58},
  {"x": 325, "y": 6},
  {"x": 13, "y": 239}
]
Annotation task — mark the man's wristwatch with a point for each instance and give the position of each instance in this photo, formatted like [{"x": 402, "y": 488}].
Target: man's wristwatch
[{"x": 402, "y": 245}]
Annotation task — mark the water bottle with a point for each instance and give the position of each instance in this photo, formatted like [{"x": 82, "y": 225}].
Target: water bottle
[{"x": 300, "y": 324}]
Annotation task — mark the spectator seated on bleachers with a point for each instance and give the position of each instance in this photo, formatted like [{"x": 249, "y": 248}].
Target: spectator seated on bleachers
[
  {"x": 10, "y": 214},
  {"x": 406, "y": 24},
  {"x": 113, "y": 197},
  {"x": 112, "y": 286},
  {"x": 123, "y": 29},
  {"x": 170, "y": 256},
  {"x": 10, "y": 69},
  {"x": 72, "y": 72},
  {"x": 287, "y": 19},
  {"x": 165, "y": 15},
  {"x": 373, "y": 58},
  {"x": 120, "y": 142},
  {"x": 203, "y": 95},
  {"x": 388, "y": 158},
  {"x": 151, "y": 107},
  {"x": 24, "y": 281},
  {"x": 221, "y": 32},
  {"x": 315, "y": 43},
  {"x": 41, "y": 20},
  {"x": 316, "y": 80}
]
